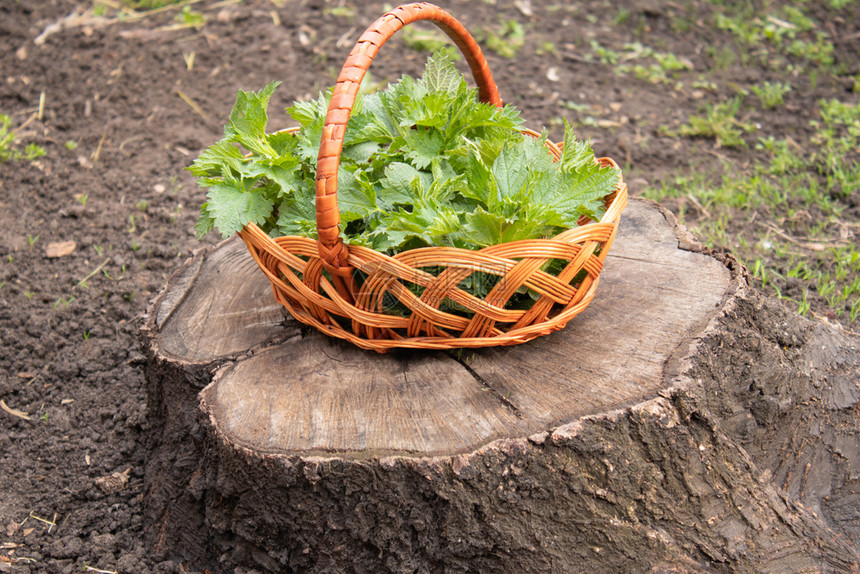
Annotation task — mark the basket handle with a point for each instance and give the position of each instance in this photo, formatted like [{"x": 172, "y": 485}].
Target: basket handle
[{"x": 333, "y": 252}]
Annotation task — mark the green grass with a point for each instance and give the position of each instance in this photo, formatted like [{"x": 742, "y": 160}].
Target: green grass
[
  {"x": 640, "y": 61},
  {"x": 9, "y": 148},
  {"x": 720, "y": 123},
  {"x": 185, "y": 16},
  {"x": 782, "y": 38},
  {"x": 190, "y": 18},
  {"x": 62, "y": 303},
  {"x": 340, "y": 11},
  {"x": 506, "y": 39},
  {"x": 781, "y": 213},
  {"x": 770, "y": 94},
  {"x": 428, "y": 40},
  {"x": 149, "y": 4}
]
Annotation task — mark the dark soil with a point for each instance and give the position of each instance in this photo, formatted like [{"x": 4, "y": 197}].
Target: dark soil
[{"x": 72, "y": 439}]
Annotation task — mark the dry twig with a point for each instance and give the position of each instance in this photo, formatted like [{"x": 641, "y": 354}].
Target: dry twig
[
  {"x": 14, "y": 412},
  {"x": 812, "y": 246},
  {"x": 95, "y": 156},
  {"x": 93, "y": 272},
  {"x": 50, "y": 523},
  {"x": 193, "y": 104}
]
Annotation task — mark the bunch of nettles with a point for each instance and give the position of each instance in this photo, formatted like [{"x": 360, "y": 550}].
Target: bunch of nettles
[{"x": 423, "y": 163}]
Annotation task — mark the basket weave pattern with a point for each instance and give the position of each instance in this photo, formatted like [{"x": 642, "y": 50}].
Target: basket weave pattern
[{"x": 317, "y": 280}]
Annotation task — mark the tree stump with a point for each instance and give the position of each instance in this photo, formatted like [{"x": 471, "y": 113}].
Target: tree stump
[{"x": 681, "y": 423}]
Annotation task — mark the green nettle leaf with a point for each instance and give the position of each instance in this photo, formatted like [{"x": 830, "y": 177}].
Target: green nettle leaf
[
  {"x": 489, "y": 149},
  {"x": 308, "y": 146},
  {"x": 288, "y": 179},
  {"x": 249, "y": 118},
  {"x": 360, "y": 152},
  {"x": 584, "y": 192},
  {"x": 380, "y": 127},
  {"x": 231, "y": 208},
  {"x": 430, "y": 111},
  {"x": 356, "y": 197},
  {"x": 422, "y": 146},
  {"x": 445, "y": 223},
  {"x": 576, "y": 153},
  {"x": 423, "y": 163},
  {"x": 284, "y": 143},
  {"x": 536, "y": 155},
  {"x": 297, "y": 214},
  {"x": 483, "y": 228},
  {"x": 399, "y": 181},
  {"x": 482, "y": 185},
  {"x": 308, "y": 112},
  {"x": 222, "y": 159},
  {"x": 510, "y": 172},
  {"x": 205, "y": 223},
  {"x": 441, "y": 75}
]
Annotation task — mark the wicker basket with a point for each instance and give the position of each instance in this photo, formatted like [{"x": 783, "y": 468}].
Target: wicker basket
[{"x": 344, "y": 291}]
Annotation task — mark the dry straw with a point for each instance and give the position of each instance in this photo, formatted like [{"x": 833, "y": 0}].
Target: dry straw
[{"x": 318, "y": 280}]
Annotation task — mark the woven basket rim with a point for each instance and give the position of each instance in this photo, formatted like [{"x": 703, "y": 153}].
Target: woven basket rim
[{"x": 571, "y": 237}]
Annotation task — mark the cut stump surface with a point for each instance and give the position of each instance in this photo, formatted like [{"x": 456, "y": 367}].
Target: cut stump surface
[
  {"x": 318, "y": 395},
  {"x": 308, "y": 453}
]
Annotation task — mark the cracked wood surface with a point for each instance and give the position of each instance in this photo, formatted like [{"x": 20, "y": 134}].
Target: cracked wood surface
[{"x": 310, "y": 394}]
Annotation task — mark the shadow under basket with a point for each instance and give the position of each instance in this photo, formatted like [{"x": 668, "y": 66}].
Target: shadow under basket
[{"x": 429, "y": 298}]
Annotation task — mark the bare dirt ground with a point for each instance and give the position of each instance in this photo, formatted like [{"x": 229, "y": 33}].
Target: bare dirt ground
[{"x": 123, "y": 102}]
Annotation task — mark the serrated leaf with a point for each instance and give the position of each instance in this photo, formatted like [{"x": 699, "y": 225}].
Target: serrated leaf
[
  {"x": 422, "y": 145},
  {"x": 233, "y": 208},
  {"x": 360, "y": 153},
  {"x": 583, "y": 192},
  {"x": 575, "y": 153},
  {"x": 356, "y": 197},
  {"x": 397, "y": 184},
  {"x": 441, "y": 75},
  {"x": 386, "y": 239},
  {"x": 297, "y": 213},
  {"x": 220, "y": 159},
  {"x": 430, "y": 111},
  {"x": 286, "y": 176},
  {"x": 308, "y": 146},
  {"x": 440, "y": 190},
  {"x": 481, "y": 186},
  {"x": 395, "y": 100},
  {"x": 398, "y": 227},
  {"x": 446, "y": 222},
  {"x": 441, "y": 169},
  {"x": 570, "y": 195},
  {"x": 356, "y": 129},
  {"x": 283, "y": 143},
  {"x": 483, "y": 228},
  {"x": 489, "y": 149},
  {"x": 380, "y": 128},
  {"x": 535, "y": 154},
  {"x": 309, "y": 111},
  {"x": 431, "y": 224},
  {"x": 205, "y": 223},
  {"x": 248, "y": 120},
  {"x": 510, "y": 173},
  {"x": 472, "y": 119}
]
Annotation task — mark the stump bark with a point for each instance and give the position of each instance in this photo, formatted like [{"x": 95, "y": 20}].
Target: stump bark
[{"x": 681, "y": 423}]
